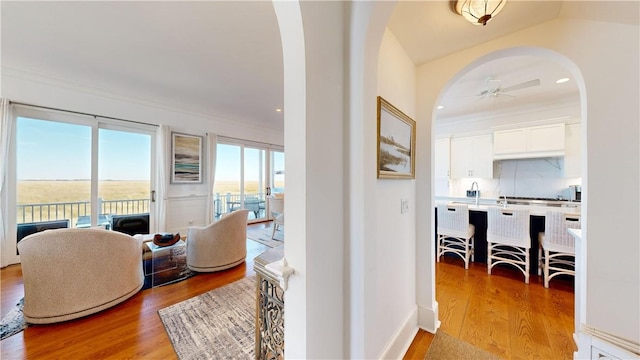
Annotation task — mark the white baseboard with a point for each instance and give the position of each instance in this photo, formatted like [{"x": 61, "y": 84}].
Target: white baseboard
[
  {"x": 428, "y": 318},
  {"x": 402, "y": 339}
]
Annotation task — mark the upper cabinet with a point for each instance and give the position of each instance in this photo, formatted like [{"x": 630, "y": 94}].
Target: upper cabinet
[
  {"x": 472, "y": 156},
  {"x": 442, "y": 159},
  {"x": 529, "y": 142},
  {"x": 573, "y": 151}
]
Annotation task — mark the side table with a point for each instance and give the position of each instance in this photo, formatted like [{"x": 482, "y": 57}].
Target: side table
[
  {"x": 167, "y": 264},
  {"x": 269, "y": 307}
]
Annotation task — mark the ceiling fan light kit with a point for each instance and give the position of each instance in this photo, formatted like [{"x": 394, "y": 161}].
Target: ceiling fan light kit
[{"x": 479, "y": 12}]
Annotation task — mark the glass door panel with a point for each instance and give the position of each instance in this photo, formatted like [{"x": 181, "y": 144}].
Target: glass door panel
[
  {"x": 53, "y": 161},
  {"x": 124, "y": 181},
  {"x": 277, "y": 173},
  {"x": 254, "y": 183},
  {"x": 227, "y": 179}
]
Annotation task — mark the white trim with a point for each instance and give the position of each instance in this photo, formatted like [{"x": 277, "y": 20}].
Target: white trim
[{"x": 402, "y": 339}]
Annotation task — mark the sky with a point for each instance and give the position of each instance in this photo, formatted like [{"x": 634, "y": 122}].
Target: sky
[{"x": 48, "y": 150}]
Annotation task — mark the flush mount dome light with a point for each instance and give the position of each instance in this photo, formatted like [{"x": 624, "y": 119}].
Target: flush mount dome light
[{"x": 479, "y": 12}]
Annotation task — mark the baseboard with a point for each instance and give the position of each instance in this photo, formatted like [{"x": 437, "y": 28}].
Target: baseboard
[
  {"x": 428, "y": 318},
  {"x": 402, "y": 339}
]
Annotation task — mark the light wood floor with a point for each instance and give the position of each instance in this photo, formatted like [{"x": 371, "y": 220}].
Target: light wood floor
[
  {"x": 501, "y": 314},
  {"x": 498, "y": 313}
]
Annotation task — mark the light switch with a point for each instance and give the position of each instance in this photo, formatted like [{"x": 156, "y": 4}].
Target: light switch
[{"x": 404, "y": 205}]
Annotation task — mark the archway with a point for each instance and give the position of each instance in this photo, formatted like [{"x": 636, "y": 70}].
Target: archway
[{"x": 580, "y": 106}]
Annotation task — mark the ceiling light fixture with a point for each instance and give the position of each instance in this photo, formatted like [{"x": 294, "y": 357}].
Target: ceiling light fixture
[
  {"x": 563, "y": 80},
  {"x": 279, "y": 110},
  {"x": 479, "y": 12},
  {"x": 440, "y": 107}
]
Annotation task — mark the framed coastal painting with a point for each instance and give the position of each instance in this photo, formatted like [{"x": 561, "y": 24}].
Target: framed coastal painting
[
  {"x": 186, "y": 163},
  {"x": 396, "y": 143}
]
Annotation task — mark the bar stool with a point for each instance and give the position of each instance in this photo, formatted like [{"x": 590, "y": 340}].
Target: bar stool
[
  {"x": 508, "y": 239},
  {"x": 455, "y": 234},
  {"x": 556, "y": 248}
]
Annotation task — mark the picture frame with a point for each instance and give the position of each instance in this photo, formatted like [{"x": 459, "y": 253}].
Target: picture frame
[
  {"x": 396, "y": 143},
  {"x": 186, "y": 158}
]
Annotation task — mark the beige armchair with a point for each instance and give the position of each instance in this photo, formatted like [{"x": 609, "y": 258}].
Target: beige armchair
[
  {"x": 220, "y": 245},
  {"x": 71, "y": 273}
]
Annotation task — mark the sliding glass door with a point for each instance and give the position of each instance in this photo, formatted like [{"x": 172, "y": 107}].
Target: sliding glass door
[
  {"x": 76, "y": 171},
  {"x": 244, "y": 178}
]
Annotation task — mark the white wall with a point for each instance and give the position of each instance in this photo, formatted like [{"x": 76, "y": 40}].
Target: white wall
[
  {"x": 313, "y": 53},
  {"x": 395, "y": 305},
  {"x": 604, "y": 57}
]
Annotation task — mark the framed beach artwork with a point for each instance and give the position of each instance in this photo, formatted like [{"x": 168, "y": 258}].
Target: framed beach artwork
[
  {"x": 396, "y": 143},
  {"x": 186, "y": 163}
]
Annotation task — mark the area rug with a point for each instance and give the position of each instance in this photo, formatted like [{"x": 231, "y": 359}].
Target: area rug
[
  {"x": 219, "y": 324},
  {"x": 263, "y": 236},
  {"x": 13, "y": 322},
  {"x": 447, "y": 347}
]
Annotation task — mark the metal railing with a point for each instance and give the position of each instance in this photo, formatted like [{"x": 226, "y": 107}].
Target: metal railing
[
  {"x": 226, "y": 203},
  {"x": 30, "y": 213}
]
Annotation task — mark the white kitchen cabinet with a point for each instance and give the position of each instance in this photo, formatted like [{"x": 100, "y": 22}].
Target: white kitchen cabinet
[
  {"x": 573, "y": 151},
  {"x": 442, "y": 155},
  {"x": 472, "y": 156},
  {"x": 529, "y": 142},
  {"x": 441, "y": 159}
]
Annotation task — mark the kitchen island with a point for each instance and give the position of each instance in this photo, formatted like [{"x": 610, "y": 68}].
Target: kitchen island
[{"x": 478, "y": 218}]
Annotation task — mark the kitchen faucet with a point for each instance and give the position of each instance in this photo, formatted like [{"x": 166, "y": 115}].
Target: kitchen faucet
[
  {"x": 504, "y": 204},
  {"x": 475, "y": 183}
]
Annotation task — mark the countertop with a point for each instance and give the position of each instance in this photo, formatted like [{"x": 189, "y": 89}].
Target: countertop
[{"x": 571, "y": 208}]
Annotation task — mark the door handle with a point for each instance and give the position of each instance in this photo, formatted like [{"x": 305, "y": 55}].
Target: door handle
[
  {"x": 153, "y": 196},
  {"x": 268, "y": 190}
]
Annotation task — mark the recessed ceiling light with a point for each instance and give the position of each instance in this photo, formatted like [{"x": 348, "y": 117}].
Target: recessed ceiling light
[
  {"x": 563, "y": 80},
  {"x": 279, "y": 110},
  {"x": 440, "y": 107}
]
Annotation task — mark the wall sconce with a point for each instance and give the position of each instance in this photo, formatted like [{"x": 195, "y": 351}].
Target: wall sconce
[{"x": 479, "y": 12}]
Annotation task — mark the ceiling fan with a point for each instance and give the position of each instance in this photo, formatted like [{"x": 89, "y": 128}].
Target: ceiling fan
[{"x": 494, "y": 88}]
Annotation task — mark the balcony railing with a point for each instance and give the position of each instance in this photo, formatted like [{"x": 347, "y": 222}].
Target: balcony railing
[
  {"x": 225, "y": 203},
  {"x": 72, "y": 211},
  {"x": 30, "y": 213}
]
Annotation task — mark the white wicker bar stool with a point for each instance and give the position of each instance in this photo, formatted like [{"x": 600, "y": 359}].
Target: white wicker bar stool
[
  {"x": 455, "y": 234},
  {"x": 556, "y": 248},
  {"x": 508, "y": 239}
]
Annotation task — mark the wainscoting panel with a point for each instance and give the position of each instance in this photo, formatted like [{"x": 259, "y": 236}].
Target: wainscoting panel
[{"x": 186, "y": 211}]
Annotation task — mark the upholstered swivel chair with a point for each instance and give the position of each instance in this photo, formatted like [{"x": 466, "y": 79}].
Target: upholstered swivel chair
[
  {"x": 455, "y": 233},
  {"x": 276, "y": 206},
  {"x": 220, "y": 245},
  {"x": 556, "y": 248},
  {"x": 71, "y": 273},
  {"x": 508, "y": 239}
]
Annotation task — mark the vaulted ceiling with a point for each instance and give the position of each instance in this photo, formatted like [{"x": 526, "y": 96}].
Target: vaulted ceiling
[{"x": 223, "y": 59}]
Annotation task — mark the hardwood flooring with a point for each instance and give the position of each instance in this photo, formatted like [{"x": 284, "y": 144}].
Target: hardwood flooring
[
  {"x": 498, "y": 313},
  {"x": 501, "y": 314}
]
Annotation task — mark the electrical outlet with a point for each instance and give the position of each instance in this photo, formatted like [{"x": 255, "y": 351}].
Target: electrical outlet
[{"x": 404, "y": 205}]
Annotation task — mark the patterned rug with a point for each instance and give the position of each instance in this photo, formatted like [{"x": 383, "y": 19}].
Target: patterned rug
[
  {"x": 13, "y": 322},
  {"x": 447, "y": 347},
  {"x": 219, "y": 324},
  {"x": 263, "y": 236}
]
